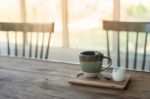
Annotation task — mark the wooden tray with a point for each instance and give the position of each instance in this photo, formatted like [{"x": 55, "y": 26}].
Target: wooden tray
[{"x": 101, "y": 82}]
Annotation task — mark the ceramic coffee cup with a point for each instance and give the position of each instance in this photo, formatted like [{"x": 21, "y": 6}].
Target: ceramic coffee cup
[{"x": 91, "y": 63}]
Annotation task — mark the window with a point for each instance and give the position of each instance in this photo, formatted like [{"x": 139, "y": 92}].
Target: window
[
  {"x": 136, "y": 10},
  {"x": 45, "y": 11},
  {"x": 85, "y": 23},
  {"x": 10, "y": 11}
]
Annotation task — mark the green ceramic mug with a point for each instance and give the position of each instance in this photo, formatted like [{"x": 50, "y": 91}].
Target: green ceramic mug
[{"x": 91, "y": 63}]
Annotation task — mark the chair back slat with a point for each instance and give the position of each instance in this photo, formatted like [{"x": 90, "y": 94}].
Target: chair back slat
[
  {"x": 27, "y": 27},
  {"x": 126, "y": 26}
]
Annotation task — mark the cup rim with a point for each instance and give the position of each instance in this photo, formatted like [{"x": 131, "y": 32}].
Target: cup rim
[{"x": 97, "y": 53}]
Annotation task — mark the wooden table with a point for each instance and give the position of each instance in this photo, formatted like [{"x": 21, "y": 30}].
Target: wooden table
[{"x": 35, "y": 79}]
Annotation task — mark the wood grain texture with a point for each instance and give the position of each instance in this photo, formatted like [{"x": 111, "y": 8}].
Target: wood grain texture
[
  {"x": 27, "y": 27},
  {"x": 22, "y": 78},
  {"x": 126, "y": 26},
  {"x": 101, "y": 82}
]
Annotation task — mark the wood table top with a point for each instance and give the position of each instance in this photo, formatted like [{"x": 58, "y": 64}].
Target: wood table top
[{"x": 22, "y": 78}]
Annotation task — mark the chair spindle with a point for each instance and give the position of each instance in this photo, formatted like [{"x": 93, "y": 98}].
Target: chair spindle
[{"x": 136, "y": 46}]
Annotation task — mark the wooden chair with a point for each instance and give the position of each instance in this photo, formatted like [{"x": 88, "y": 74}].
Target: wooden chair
[
  {"x": 129, "y": 27},
  {"x": 26, "y": 28}
]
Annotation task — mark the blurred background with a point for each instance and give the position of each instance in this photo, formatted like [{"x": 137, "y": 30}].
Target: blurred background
[{"x": 78, "y": 23}]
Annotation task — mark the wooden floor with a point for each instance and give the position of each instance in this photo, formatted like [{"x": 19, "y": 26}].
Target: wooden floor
[{"x": 35, "y": 79}]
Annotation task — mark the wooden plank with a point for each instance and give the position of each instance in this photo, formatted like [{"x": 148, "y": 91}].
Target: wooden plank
[
  {"x": 126, "y": 26},
  {"x": 101, "y": 82},
  {"x": 36, "y": 79},
  {"x": 28, "y": 27},
  {"x": 27, "y": 85}
]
